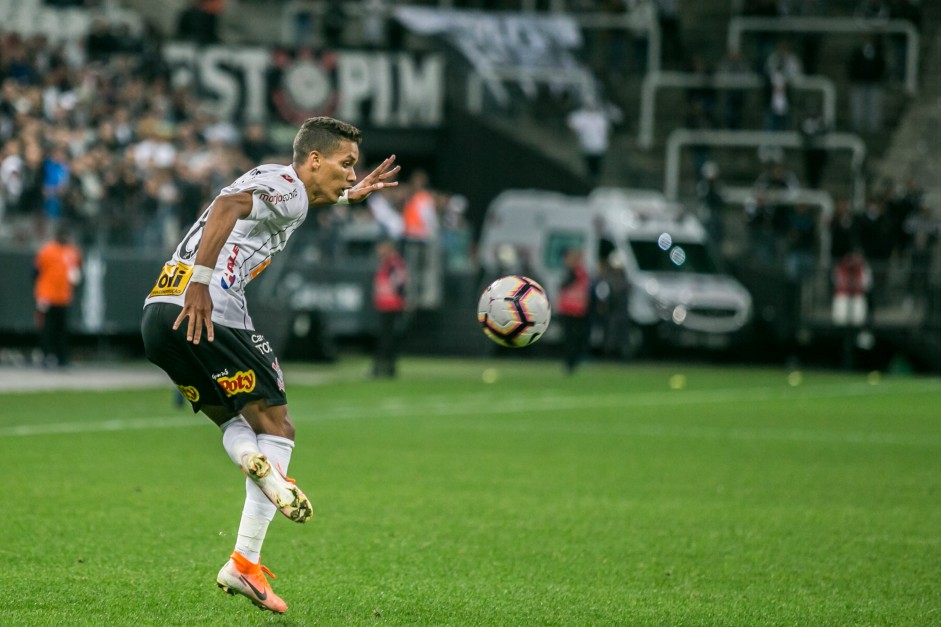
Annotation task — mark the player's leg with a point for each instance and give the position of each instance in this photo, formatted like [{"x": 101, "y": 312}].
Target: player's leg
[
  {"x": 264, "y": 457},
  {"x": 202, "y": 374},
  {"x": 243, "y": 573},
  {"x": 275, "y": 436}
]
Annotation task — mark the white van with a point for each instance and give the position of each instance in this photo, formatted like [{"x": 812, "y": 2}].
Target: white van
[{"x": 677, "y": 293}]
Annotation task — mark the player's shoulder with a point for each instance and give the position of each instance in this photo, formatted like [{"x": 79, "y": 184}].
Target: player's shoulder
[
  {"x": 269, "y": 173},
  {"x": 274, "y": 186},
  {"x": 269, "y": 181}
]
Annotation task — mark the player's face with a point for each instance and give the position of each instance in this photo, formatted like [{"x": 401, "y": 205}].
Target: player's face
[{"x": 336, "y": 173}]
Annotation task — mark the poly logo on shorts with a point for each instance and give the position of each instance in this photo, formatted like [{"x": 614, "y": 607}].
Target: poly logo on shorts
[
  {"x": 189, "y": 392},
  {"x": 239, "y": 383}
]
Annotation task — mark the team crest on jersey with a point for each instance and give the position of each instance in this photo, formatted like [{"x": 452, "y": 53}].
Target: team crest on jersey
[
  {"x": 287, "y": 178},
  {"x": 277, "y": 369}
]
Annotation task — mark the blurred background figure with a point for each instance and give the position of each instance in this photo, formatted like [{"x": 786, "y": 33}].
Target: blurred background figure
[
  {"x": 867, "y": 73},
  {"x": 852, "y": 280},
  {"x": 800, "y": 258},
  {"x": 389, "y": 300},
  {"x": 781, "y": 69},
  {"x": 421, "y": 231},
  {"x": 58, "y": 267},
  {"x": 592, "y": 128},
  {"x": 842, "y": 230},
  {"x": 711, "y": 203},
  {"x": 668, "y": 18},
  {"x": 733, "y": 65},
  {"x": 572, "y": 308},
  {"x": 382, "y": 205},
  {"x": 199, "y": 23},
  {"x": 55, "y": 183},
  {"x": 611, "y": 293},
  {"x": 813, "y": 130}
]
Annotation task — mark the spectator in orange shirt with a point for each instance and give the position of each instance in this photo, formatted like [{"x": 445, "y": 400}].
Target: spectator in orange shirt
[
  {"x": 420, "y": 221},
  {"x": 58, "y": 266}
]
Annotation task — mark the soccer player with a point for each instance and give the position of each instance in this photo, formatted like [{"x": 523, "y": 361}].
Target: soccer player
[{"x": 233, "y": 376}]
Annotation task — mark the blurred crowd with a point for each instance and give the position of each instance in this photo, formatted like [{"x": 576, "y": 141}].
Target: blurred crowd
[{"x": 94, "y": 133}]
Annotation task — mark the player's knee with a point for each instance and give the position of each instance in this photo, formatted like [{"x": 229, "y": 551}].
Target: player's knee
[
  {"x": 287, "y": 428},
  {"x": 275, "y": 421},
  {"x": 268, "y": 419}
]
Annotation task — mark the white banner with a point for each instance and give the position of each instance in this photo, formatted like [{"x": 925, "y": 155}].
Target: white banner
[{"x": 501, "y": 41}]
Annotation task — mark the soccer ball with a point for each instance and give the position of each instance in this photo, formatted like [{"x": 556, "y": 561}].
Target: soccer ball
[{"x": 514, "y": 311}]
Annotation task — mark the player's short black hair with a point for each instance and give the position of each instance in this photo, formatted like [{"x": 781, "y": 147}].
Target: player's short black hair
[{"x": 324, "y": 135}]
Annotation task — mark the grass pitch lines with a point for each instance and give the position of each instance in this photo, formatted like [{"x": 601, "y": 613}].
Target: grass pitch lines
[
  {"x": 701, "y": 433},
  {"x": 511, "y": 403},
  {"x": 480, "y": 405},
  {"x": 95, "y": 426}
]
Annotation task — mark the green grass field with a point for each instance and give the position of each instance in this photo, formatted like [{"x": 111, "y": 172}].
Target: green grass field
[{"x": 625, "y": 495}]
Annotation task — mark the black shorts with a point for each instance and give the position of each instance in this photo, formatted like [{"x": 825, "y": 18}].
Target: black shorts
[{"x": 236, "y": 368}]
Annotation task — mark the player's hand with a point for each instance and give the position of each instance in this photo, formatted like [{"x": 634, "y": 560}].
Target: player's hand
[
  {"x": 375, "y": 180},
  {"x": 197, "y": 306}
]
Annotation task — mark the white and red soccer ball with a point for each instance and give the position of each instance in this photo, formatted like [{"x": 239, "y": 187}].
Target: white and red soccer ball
[{"x": 514, "y": 311}]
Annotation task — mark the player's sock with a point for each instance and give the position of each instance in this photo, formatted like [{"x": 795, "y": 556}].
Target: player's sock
[
  {"x": 256, "y": 515},
  {"x": 259, "y": 511},
  {"x": 238, "y": 438},
  {"x": 277, "y": 450}
]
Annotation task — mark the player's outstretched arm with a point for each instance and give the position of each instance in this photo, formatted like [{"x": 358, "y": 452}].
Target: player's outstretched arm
[
  {"x": 375, "y": 180},
  {"x": 197, "y": 304}
]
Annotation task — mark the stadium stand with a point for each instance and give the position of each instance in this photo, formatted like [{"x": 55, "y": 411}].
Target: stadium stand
[{"x": 150, "y": 138}]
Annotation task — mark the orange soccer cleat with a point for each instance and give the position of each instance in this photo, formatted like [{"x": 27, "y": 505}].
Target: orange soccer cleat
[
  {"x": 280, "y": 490},
  {"x": 248, "y": 579}
]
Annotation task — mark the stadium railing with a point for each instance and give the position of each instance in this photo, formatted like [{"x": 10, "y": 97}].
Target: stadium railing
[
  {"x": 682, "y": 137},
  {"x": 738, "y": 26},
  {"x": 656, "y": 81},
  {"x": 819, "y": 199}
]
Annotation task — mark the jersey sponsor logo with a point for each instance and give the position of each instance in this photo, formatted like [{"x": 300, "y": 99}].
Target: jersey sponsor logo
[
  {"x": 239, "y": 383},
  {"x": 172, "y": 280},
  {"x": 189, "y": 392},
  {"x": 255, "y": 172},
  {"x": 228, "y": 279},
  {"x": 287, "y": 178},
  {"x": 263, "y": 346},
  {"x": 276, "y": 198}
]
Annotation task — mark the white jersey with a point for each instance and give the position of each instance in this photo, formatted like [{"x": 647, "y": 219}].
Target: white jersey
[{"x": 279, "y": 206}]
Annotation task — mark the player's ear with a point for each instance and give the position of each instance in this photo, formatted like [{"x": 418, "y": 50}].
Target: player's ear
[{"x": 314, "y": 159}]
